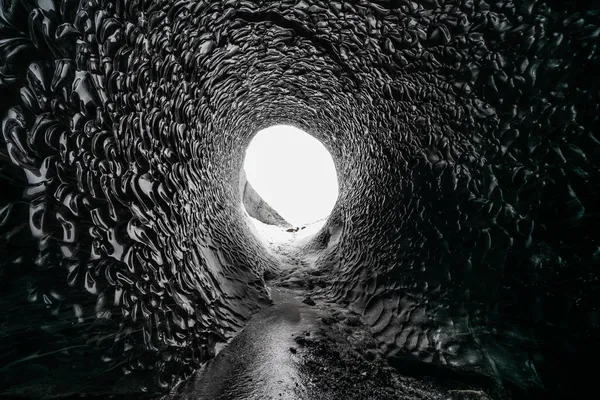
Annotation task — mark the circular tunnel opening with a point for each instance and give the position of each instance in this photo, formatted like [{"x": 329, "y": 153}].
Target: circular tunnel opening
[{"x": 292, "y": 184}]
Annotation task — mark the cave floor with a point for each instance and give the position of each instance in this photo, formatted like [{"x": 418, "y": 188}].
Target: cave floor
[{"x": 300, "y": 351}]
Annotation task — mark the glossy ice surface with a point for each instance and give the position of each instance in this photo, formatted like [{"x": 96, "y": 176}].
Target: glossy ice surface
[{"x": 465, "y": 135}]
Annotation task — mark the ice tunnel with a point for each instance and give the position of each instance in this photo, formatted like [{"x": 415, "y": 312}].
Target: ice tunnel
[{"x": 465, "y": 137}]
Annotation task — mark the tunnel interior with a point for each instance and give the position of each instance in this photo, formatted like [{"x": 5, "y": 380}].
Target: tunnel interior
[{"x": 463, "y": 134}]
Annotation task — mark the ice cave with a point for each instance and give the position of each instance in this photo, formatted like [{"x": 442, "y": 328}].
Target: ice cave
[{"x": 459, "y": 257}]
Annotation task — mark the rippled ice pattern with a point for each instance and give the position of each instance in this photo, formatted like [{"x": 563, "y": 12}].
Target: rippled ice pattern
[{"x": 465, "y": 137}]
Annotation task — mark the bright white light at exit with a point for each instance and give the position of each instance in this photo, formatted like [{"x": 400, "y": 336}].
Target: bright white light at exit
[{"x": 293, "y": 172}]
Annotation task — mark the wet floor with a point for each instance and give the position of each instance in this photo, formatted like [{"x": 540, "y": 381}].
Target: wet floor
[
  {"x": 261, "y": 362},
  {"x": 285, "y": 353}
]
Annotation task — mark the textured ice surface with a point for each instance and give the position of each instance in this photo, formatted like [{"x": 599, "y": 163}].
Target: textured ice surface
[{"x": 465, "y": 137}]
